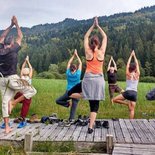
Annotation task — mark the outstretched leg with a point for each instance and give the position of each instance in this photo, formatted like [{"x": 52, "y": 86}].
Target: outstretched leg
[{"x": 120, "y": 100}]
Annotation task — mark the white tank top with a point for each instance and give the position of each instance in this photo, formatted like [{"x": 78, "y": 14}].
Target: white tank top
[{"x": 27, "y": 78}]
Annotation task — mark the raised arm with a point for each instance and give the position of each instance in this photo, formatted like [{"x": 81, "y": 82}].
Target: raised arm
[
  {"x": 23, "y": 66},
  {"x": 128, "y": 63},
  {"x": 115, "y": 66},
  {"x": 104, "y": 36},
  {"x": 109, "y": 64},
  {"x": 19, "y": 32},
  {"x": 86, "y": 38},
  {"x": 30, "y": 67},
  {"x": 70, "y": 61},
  {"x": 137, "y": 64},
  {"x": 79, "y": 60},
  {"x": 6, "y": 32}
]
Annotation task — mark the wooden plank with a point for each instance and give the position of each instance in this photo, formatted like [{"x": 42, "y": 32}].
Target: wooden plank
[
  {"x": 32, "y": 129},
  {"x": 139, "y": 131},
  {"x": 135, "y": 145},
  {"x": 28, "y": 143},
  {"x": 55, "y": 133},
  {"x": 145, "y": 131},
  {"x": 118, "y": 132},
  {"x": 152, "y": 122},
  {"x": 61, "y": 134},
  {"x": 83, "y": 133},
  {"x": 49, "y": 133},
  {"x": 151, "y": 130},
  {"x": 133, "y": 133},
  {"x": 76, "y": 133},
  {"x": 42, "y": 131},
  {"x": 69, "y": 135},
  {"x": 136, "y": 149},
  {"x": 105, "y": 131},
  {"x": 98, "y": 134},
  {"x": 110, "y": 131},
  {"x": 17, "y": 132},
  {"x": 90, "y": 137},
  {"x": 125, "y": 131}
]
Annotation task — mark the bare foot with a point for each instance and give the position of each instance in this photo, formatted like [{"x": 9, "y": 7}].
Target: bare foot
[
  {"x": 10, "y": 106},
  {"x": 8, "y": 130}
]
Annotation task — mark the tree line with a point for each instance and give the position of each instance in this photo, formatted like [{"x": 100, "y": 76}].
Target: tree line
[{"x": 50, "y": 46}]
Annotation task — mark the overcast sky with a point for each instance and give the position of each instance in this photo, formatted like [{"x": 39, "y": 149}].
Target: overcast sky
[{"x": 34, "y": 12}]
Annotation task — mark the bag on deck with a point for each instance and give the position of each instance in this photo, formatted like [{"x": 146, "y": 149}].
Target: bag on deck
[{"x": 151, "y": 95}]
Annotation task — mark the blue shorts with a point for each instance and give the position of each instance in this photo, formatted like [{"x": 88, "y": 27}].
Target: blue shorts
[{"x": 130, "y": 95}]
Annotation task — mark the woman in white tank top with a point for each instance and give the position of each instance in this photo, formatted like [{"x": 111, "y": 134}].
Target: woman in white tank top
[{"x": 132, "y": 78}]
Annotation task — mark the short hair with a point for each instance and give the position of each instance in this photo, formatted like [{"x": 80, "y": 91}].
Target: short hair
[
  {"x": 25, "y": 71},
  {"x": 73, "y": 67},
  {"x": 8, "y": 40}
]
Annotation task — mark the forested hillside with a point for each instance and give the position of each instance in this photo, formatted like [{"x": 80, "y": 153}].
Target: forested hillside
[{"x": 53, "y": 43}]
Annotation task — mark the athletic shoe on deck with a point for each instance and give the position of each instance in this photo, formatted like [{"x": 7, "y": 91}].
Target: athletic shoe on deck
[
  {"x": 22, "y": 124},
  {"x": 105, "y": 124}
]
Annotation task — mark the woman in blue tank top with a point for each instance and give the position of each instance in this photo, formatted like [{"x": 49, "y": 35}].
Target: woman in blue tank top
[{"x": 132, "y": 78}]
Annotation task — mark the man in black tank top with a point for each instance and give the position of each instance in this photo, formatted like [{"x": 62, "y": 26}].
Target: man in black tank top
[{"x": 112, "y": 79}]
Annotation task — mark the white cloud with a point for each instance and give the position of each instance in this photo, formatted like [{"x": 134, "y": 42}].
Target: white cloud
[{"x": 33, "y": 12}]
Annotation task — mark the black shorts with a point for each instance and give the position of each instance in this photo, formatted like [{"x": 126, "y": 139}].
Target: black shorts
[
  {"x": 114, "y": 89},
  {"x": 130, "y": 95}
]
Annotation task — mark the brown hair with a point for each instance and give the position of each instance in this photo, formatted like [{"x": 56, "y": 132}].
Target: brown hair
[
  {"x": 94, "y": 41},
  {"x": 73, "y": 67},
  {"x": 132, "y": 67}
]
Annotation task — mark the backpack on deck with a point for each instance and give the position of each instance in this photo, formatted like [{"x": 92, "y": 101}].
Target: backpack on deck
[{"x": 151, "y": 95}]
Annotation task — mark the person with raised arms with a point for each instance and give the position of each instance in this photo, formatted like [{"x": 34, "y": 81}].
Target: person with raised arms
[
  {"x": 26, "y": 76},
  {"x": 112, "y": 79},
  {"x": 73, "y": 74},
  {"x": 92, "y": 87},
  {"x": 129, "y": 96},
  {"x": 9, "y": 81}
]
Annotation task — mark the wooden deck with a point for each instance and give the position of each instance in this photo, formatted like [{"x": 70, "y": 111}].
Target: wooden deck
[
  {"x": 137, "y": 131},
  {"x": 134, "y": 149}
]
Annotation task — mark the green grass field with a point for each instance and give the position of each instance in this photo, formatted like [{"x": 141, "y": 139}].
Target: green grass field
[{"x": 49, "y": 89}]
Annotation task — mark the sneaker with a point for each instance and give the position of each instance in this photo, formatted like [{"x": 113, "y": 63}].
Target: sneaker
[
  {"x": 90, "y": 131},
  {"x": 53, "y": 118},
  {"x": 69, "y": 122},
  {"x": 34, "y": 119},
  {"x": 22, "y": 124},
  {"x": 44, "y": 119},
  {"x": 61, "y": 123},
  {"x": 98, "y": 124},
  {"x": 115, "y": 119},
  {"x": 3, "y": 125},
  {"x": 18, "y": 120},
  {"x": 105, "y": 124}
]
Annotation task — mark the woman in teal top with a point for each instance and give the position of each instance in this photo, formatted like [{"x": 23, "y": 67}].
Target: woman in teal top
[{"x": 73, "y": 74}]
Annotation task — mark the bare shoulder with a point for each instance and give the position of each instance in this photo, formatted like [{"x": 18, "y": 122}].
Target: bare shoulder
[
  {"x": 89, "y": 54},
  {"x": 100, "y": 54}
]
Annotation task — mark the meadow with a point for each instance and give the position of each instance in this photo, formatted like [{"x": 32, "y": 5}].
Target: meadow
[{"x": 43, "y": 104}]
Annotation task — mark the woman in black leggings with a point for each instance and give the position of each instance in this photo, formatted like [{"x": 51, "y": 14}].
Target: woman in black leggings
[{"x": 92, "y": 87}]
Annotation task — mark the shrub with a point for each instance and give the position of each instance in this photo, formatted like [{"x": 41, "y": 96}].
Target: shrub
[
  {"x": 121, "y": 74},
  {"x": 46, "y": 75},
  {"x": 147, "y": 79}
]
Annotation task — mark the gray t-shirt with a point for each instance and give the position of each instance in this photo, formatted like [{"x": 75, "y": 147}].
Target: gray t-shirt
[{"x": 8, "y": 59}]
